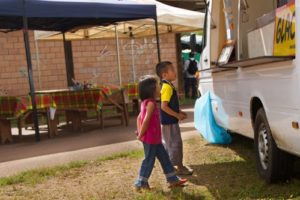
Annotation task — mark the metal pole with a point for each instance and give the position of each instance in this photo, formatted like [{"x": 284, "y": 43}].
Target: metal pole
[
  {"x": 157, "y": 40},
  {"x": 37, "y": 54},
  {"x": 133, "y": 60},
  {"x": 30, "y": 76},
  {"x": 69, "y": 69},
  {"x": 118, "y": 54}
]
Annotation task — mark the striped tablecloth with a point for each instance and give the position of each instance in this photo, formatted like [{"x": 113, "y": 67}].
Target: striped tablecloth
[
  {"x": 91, "y": 99},
  {"x": 14, "y": 107},
  {"x": 85, "y": 99},
  {"x": 132, "y": 90},
  {"x": 8, "y": 106}
]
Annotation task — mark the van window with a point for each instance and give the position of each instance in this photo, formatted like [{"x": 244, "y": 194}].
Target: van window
[{"x": 282, "y": 2}]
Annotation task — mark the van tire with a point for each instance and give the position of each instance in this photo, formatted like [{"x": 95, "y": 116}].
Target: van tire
[{"x": 273, "y": 164}]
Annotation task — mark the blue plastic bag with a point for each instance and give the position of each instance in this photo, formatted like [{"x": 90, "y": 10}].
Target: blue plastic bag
[{"x": 206, "y": 124}]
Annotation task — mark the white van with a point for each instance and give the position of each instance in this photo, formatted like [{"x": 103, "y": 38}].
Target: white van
[{"x": 249, "y": 62}]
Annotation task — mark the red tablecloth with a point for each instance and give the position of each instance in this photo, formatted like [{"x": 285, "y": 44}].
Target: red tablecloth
[
  {"x": 85, "y": 99},
  {"x": 14, "y": 107},
  {"x": 132, "y": 90},
  {"x": 91, "y": 99}
]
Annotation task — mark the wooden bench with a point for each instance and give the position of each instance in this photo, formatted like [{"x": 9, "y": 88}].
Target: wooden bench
[
  {"x": 27, "y": 120},
  {"x": 76, "y": 116},
  {"x": 5, "y": 130},
  {"x": 116, "y": 101},
  {"x": 135, "y": 103},
  {"x": 5, "y": 126}
]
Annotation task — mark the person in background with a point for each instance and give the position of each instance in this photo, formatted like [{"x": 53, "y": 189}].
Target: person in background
[
  {"x": 190, "y": 69},
  {"x": 149, "y": 132},
  {"x": 170, "y": 116}
]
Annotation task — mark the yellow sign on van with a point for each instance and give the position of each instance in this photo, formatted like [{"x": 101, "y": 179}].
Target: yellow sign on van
[{"x": 285, "y": 32}]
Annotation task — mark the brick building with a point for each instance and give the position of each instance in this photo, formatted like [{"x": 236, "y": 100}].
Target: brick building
[{"x": 94, "y": 61}]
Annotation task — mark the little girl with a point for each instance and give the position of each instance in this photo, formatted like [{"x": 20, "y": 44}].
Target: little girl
[{"x": 149, "y": 132}]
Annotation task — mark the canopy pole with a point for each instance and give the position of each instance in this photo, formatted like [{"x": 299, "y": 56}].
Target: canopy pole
[
  {"x": 68, "y": 59},
  {"x": 133, "y": 60},
  {"x": 157, "y": 40},
  {"x": 37, "y": 54},
  {"x": 30, "y": 75},
  {"x": 118, "y": 55}
]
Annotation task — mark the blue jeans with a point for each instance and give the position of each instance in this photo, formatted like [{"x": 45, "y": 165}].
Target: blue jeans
[{"x": 151, "y": 152}]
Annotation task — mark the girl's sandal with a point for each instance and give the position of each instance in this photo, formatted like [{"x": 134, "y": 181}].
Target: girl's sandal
[{"x": 179, "y": 183}]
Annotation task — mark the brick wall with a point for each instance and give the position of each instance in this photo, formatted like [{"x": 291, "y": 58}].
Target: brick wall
[
  {"x": 94, "y": 61},
  {"x": 12, "y": 63}
]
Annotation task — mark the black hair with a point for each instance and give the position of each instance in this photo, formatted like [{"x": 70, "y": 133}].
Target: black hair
[
  {"x": 162, "y": 67},
  {"x": 147, "y": 87},
  {"x": 192, "y": 54}
]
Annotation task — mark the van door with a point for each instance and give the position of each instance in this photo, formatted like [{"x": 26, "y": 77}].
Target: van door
[
  {"x": 214, "y": 34},
  {"x": 205, "y": 57}
]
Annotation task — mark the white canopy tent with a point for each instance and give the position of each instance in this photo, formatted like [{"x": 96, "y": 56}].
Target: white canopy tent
[{"x": 170, "y": 19}]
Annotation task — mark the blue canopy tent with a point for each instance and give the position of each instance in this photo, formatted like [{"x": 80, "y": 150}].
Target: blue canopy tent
[{"x": 65, "y": 15}]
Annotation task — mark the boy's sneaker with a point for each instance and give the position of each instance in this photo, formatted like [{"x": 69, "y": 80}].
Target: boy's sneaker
[
  {"x": 179, "y": 183},
  {"x": 184, "y": 171}
]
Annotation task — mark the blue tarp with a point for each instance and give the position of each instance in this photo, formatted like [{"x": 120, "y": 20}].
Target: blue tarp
[
  {"x": 63, "y": 15},
  {"x": 206, "y": 124}
]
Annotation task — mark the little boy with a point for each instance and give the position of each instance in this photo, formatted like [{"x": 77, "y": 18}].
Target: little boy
[{"x": 170, "y": 115}]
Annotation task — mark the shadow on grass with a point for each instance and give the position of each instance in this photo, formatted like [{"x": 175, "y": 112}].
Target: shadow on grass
[
  {"x": 33, "y": 177},
  {"x": 238, "y": 178},
  {"x": 177, "y": 193}
]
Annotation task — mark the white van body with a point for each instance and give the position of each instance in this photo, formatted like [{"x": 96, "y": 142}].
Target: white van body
[{"x": 274, "y": 86}]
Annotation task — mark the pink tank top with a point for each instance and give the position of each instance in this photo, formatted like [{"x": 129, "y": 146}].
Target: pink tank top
[{"x": 153, "y": 133}]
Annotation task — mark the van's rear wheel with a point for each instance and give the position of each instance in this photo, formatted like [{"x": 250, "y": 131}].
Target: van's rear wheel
[{"x": 273, "y": 165}]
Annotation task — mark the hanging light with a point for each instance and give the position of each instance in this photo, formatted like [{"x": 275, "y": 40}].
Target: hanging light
[{"x": 130, "y": 32}]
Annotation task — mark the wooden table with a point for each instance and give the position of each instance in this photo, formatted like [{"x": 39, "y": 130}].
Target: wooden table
[
  {"x": 20, "y": 107},
  {"x": 75, "y": 103}
]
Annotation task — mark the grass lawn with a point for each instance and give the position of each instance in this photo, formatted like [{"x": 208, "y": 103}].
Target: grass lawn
[{"x": 221, "y": 172}]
